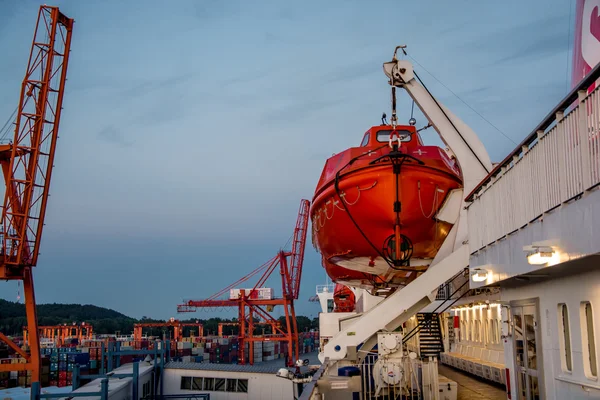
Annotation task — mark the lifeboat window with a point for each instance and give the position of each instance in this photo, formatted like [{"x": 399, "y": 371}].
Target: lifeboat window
[
  {"x": 384, "y": 136},
  {"x": 365, "y": 140}
]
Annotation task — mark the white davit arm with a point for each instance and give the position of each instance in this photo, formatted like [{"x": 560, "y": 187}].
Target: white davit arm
[{"x": 470, "y": 153}]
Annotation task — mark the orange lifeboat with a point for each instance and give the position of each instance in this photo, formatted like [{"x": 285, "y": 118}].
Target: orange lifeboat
[
  {"x": 343, "y": 298},
  {"x": 375, "y": 207}
]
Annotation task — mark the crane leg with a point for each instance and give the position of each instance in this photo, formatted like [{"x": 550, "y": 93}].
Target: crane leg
[
  {"x": 290, "y": 341},
  {"x": 294, "y": 333},
  {"x": 33, "y": 358},
  {"x": 32, "y": 325}
]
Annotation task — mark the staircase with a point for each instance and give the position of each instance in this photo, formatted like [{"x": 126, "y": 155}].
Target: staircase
[{"x": 430, "y": 335}]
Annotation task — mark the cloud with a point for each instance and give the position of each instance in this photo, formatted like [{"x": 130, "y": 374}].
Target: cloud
[
  {"x": 352, "y": 72},
  {"x": 113, "y": 135},
  {"x": 531, "y": 40},
  {"x": 213, "y": 10},
  {"x": 298, "y": 110},
  {"x": 151, "y": 85},
  {"x": 541, "y": 47}
]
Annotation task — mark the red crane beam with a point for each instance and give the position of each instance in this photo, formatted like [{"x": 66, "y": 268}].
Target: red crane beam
[
  {"x": 27, "y": 163},
  {"x": 298, "y": 246}
]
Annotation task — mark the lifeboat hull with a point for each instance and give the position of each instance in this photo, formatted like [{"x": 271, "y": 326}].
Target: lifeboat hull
[
  {"x": 353, "y": 213},
  {"x": 350, "y": 277}
]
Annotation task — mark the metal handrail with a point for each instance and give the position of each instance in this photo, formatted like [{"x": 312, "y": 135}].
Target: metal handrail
[
  {"x": 564, "y": 104},
  {"x": 309, "y": 388}
]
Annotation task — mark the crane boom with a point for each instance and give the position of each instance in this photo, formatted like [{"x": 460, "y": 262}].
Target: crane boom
[
  {"x": 27, "y": 161},
  {"x": 298, "y": 245},
  {"x": 470, "y": 153}
]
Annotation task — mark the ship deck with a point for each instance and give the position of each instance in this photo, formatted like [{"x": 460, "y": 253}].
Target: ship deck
[{"x": 471, "y": 388}]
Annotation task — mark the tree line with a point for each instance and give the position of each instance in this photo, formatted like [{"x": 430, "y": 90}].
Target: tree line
[{"x": 107, "y": 321}]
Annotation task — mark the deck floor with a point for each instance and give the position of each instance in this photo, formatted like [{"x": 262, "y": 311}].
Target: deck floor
[{"x": 472, "y": 388}]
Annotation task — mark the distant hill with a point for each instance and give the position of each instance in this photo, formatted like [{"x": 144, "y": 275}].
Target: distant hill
[{"x": 104, "y": 320}]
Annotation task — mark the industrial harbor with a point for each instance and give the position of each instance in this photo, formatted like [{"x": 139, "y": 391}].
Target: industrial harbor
[{"x": 424, "y": 260}]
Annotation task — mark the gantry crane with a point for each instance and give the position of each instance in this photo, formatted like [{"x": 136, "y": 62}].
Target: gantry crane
[
  {"x": 27, "y": 164},
  {"x": 250, "y": 305},
  {"x": 60, "y": 333},
  {"x": 272, "y": 324},
  {"x": 172, "y": 323}
]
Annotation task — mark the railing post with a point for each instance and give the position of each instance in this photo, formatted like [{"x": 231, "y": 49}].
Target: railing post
[
  {"x": 544, "y": 177},
  {"x": 168, "y": 349},
  {"x": 104, "y": 389},
  {"x": 584, "y": 140},
  {"x": 35, "y": 391},
  {"x": 135, "y": 382},
  {"x": 117, "y": 353},
  {"x": 562, "y": 164},
  {"x": 102, "y": 354},
  {"x": 75, "y": 376},
  {"x": 109, "y": 359}
]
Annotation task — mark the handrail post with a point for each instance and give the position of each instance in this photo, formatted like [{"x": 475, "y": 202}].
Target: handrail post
[
  {"x": 110, "y": 358},
  {"x": 35, "y": 391},
  {"x": 135, "y": 380},
  {"x": 118, "y": 354},
  {"x": 102, "y": 354},
  {"x": 168, "y": 349},
  {"x": 562, "y": 170},
  {"x": 104, "y": 389},
  {"x": 584, "y": 139},
  {"x": 75, "y": 377}
]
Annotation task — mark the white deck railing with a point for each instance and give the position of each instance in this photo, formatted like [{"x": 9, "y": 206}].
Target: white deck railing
[{"x": 554, "y": 165}]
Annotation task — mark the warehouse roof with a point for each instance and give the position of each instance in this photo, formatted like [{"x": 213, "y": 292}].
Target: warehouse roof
[{"x": 251, "y": 369}]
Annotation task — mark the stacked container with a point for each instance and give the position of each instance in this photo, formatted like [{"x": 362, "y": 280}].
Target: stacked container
[{"x": 62, "y": 361}]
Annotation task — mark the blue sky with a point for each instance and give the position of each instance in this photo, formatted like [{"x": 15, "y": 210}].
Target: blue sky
[{"x": 192, "y": 129}]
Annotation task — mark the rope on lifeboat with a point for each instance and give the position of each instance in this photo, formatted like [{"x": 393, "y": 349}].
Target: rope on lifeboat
[
  {"x": 435, "y": 200},
  {"x": 336, "y": 186}
]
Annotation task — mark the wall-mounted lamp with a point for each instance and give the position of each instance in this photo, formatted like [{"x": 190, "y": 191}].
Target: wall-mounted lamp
[
  {"x": 539, "y": 255},
  {"x": 479, "y": 275}
]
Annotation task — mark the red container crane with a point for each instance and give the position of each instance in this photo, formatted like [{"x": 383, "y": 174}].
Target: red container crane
[
  {"x": 255, "y": 302},
  {"x": 27, "y": 164},
  {"x": 172, "y": 323}
]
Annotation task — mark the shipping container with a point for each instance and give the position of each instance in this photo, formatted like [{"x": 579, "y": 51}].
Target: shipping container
[{"x": 258, "y": 293}]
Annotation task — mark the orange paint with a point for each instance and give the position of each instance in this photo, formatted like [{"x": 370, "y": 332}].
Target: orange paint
[
  {"x": 368, "y": 193},
  {"x": 343, "y": 298}
]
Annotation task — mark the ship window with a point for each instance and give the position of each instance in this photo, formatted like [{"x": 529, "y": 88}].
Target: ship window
[
  {"x": 209, "y": 383},
  {"x": 242, "y": 385},
  {"x": 231, "y": 385},
  {"x": 587, "y": 336},
  {"x": 565, "y": 337},
  {"x": 365, "y": 140},
  {"x": 197, "y": 384},
  {"x": 487, "y": 338},
  {"x": 384, "y": 136},
  {"x": 186, "y": 383},
  {"x": 219, "y": 384}
]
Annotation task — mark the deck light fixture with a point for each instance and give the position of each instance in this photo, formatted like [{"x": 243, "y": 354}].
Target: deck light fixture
[
  {"x": 479, "y": 275},
  {"x": 539, "y": 255}
]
